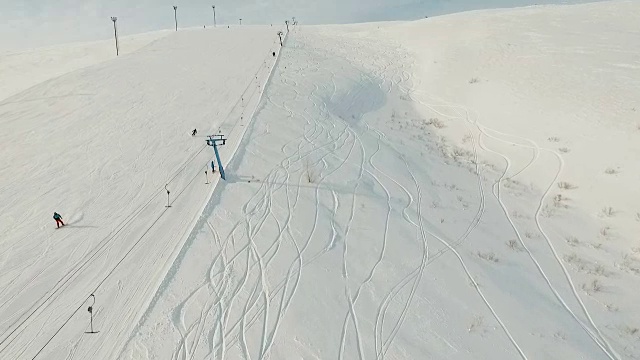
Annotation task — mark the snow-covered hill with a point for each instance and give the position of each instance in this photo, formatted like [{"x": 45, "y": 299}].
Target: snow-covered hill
[{"x": 460, "y": 187}]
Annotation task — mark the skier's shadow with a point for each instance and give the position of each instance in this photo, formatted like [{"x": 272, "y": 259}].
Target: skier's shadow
[{"x": 81, "y": 226}]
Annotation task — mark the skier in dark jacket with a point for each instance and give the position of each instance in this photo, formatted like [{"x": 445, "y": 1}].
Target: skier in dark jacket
[
  {"x": 194, "y": 132},
  {"x": 58, "y": 219}
]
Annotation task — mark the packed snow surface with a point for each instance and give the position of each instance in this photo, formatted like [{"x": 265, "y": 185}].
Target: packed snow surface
[{"x": 460, "y": 187}]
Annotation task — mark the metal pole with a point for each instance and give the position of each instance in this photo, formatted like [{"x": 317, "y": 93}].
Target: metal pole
[
  {"x": 175, "y": 15},
  {"x": 214, "y": 15},
  {"x": 240, "y": 21},
  {"x": 215, "y": 149},
  {"x": 115, "y": 34},
  {"x": 168, "y": 192}
]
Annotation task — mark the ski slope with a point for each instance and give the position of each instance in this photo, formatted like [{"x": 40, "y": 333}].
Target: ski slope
[
  {"x": 460, "y": 187},
  {"x": 368, "y": 230},
  {"x": 99, "y": 145}
]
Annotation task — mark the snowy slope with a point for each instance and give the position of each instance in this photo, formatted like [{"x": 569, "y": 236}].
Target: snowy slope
[
  {"x": 98, "y": 145},
  {"x": 432, "y": 189},
  {"x": 381, "y": 217},
  {"x": 20, "y": 70}
]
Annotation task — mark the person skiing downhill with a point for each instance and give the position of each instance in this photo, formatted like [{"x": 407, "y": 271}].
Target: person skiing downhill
[
  {"x": 194, "y": 132},
  {"x": 58, "y": 219}
]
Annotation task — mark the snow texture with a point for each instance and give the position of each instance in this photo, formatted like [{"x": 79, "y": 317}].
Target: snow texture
[{"x": 459, "y": 187}]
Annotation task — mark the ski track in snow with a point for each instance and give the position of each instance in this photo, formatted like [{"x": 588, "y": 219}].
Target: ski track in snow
[{"x": 324, "y": 138}]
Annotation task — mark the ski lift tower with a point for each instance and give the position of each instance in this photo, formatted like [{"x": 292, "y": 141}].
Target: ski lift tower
[{"x": 215, "y": 141}]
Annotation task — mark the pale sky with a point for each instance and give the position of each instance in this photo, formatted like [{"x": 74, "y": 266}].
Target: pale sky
[{"x": 32, "y": 23}]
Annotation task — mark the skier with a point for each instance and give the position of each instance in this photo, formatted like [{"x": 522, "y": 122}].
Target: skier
[
  {"x": 58, "y": 219},
  {"x": 194, "y": 132},
  {"x": 213, "y": 167}
]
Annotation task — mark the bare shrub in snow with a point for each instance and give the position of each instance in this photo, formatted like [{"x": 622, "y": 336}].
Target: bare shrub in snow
[
  {"x": 630, "y": 330},
  {"x": 513, "y": 245},
  {"x": 566, "y": 186},
  {"x": 547, "y": 211},
  {"x": 474, "y": 80},
  {"x": 437, "y": 123},
  {"x": 571, "y": 259},
  {"x": 611, "y": 307},
  {"x": 435, "y": 204},
  {"x": 598, "y": 270},
  {"x": 629, "y": 264},
  {"x": 564, "y": 150},
  {"x": 558, "y": 201},
  {"x": 529, "y": 235},
  {"x": 560, "y": 336},
  {"x": 592, "y": 287},
  {"x": 467, "y": 138},
  {"x": 459, "y": 152},
  {"x": 476, "y": 323},
  {"x": 554, "y": 139},
  {"x": 611, "y": 171},
  {"x": 573, "y": 241},
  {"x": 451, "y": 187},
  {"x": 488, "y": 256},
  {"x": 309, "y": 172},
  {"x": 605, "y": 231},
  {"x": 608, "y": 211}
]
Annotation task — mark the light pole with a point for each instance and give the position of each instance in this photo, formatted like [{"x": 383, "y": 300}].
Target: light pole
[
  {"x": 286, "y": 22},
  {"x": 214, "y": 15},
  {"x": 115, "y": 33},
  {"x": 175, "y": 15},
  {"x": 240, "y": 21},
  {"x": 280, "y": 36}
]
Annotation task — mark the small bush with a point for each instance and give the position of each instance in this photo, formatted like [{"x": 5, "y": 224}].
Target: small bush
[
  {"x": 558, "y": 201},
  {"x": 566, "y": 186},
  {"x": 608, "y": 211},
  {"x": 554, "y": 139},
  {"x": 592, "y": 287},
  {"x": 611, "y": 307},
  {"x": 437, "y": 123},
  {"x": 474, "y": 80},
  {"x": 476, "y": 323},
  {"x": 611, "y": 171},
  {"x": 599, "y": 270},
  {"x": 630, "y": 330},
  {"x": 564, "y": 150},
  {"x": 571, "y": 259},
  {"x": 488, "y": 256},
  {"x": 513, "y": 245},
  {"x": 573, "y": 241}
]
